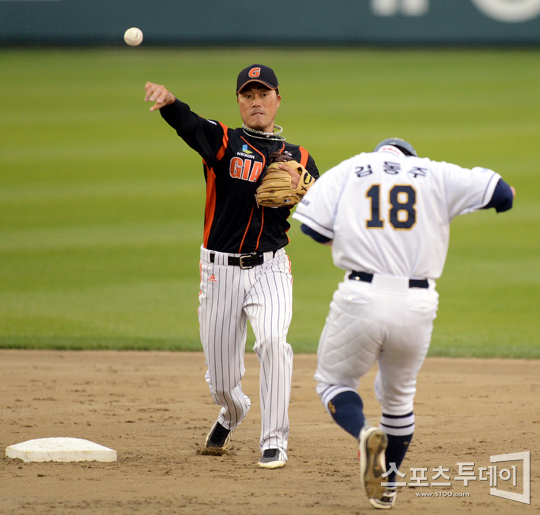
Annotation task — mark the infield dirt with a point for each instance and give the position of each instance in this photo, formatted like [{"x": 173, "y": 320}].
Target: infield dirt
[{"x": 155, "y": 410}]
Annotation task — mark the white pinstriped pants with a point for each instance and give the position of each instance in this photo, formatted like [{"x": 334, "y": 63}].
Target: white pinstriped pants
[{"x": 229, "y": 297}]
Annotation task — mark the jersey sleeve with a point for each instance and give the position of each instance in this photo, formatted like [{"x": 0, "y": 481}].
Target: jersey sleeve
[
  {"x": 309, "y": 164},
  {"x": 311, "y": 167},
  {"x": 319, "y": 238},
  {"x": 502, "y": 199},
  {"x": 468, "y": 190},
  {"x": 318, "y": 208},
  {"x": 207, "y": 137}
]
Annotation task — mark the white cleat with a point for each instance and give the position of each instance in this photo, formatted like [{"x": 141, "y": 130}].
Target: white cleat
[
  {"x": 386, "y": 501},
  {"x": 373, "y": 443},
  {"x": 272, "y": 459}
]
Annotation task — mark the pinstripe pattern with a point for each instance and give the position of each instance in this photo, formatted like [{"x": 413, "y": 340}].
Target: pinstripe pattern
[{"x": 229, "y": 298}]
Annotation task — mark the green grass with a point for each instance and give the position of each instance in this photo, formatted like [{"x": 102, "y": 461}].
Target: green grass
[{"x": 101, "y": 205}]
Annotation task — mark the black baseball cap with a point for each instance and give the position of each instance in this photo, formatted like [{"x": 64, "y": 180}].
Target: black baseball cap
[{"x": 257, "y": 73}]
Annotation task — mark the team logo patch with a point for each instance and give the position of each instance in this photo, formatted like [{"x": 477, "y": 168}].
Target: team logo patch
[{"x": 254, "y": 72}]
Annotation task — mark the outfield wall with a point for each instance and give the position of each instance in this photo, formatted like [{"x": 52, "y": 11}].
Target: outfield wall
[{"x": 277, "y": 22}]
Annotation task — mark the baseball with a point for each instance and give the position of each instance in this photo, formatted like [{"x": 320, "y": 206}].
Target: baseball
[{"x": 133, "y": 36}]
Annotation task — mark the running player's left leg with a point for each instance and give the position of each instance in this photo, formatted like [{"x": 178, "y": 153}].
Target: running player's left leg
[
  {"x": 348, "y": 348},
  {"x": 269, "y": 308}
]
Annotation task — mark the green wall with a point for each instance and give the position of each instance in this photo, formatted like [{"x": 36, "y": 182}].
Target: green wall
[{"x": 314, "y": 22}]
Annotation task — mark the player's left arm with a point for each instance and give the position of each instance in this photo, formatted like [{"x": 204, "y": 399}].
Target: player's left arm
[
  {"x": 304, "y": 159},
  {"x": 311, "y": 167},
  {"x": 297, "y": 175},
  {"x": 316, "y": 211},
  {"x": 319, "y": 238},
  {"x": 503, "y": 197}
]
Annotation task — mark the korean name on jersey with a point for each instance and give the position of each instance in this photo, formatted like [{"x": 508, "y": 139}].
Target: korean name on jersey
[{"x": 389, "y": 214}]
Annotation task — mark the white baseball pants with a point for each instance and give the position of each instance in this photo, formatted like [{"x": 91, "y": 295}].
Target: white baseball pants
[
  {"x": 386, "y": 322},
  {"x": 229, "y": 297}
]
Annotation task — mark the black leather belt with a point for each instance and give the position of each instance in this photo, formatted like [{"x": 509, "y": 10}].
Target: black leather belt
[
  {"x": 245, "y": 262},
  {"x": 367, "y": 278}
]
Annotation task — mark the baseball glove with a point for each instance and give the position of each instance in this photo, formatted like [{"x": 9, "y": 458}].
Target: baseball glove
[{"x": 276, "y": 189}]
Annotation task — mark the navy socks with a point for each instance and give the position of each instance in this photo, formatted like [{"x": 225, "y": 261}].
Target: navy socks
[
  {"x": 346, "y": 409},
  {"x": 399, "y": 430}
]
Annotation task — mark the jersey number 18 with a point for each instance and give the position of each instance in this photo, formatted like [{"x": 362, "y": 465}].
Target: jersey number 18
[{"x": 402, "y": 214}]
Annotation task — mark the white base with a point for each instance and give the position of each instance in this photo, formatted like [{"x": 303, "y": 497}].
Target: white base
[{"x": 60, "y": 449}]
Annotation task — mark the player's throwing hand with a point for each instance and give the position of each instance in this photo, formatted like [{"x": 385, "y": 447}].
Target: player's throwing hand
[{"x": 161, "y": 95}]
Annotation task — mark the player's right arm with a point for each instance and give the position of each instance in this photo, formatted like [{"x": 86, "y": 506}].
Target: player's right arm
[
  {"x": 468, "y": 190},
  {"x": 206, "y": 137},
  {"x": 158, "y": 93},
  {"x": 503, "y": 197}
]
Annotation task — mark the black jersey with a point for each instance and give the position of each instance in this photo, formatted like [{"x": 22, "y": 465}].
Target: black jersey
[{"x": 233, "y": 162}]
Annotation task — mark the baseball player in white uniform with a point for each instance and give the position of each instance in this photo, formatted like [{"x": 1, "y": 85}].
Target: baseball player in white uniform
[{"x": 386, "y": 214}]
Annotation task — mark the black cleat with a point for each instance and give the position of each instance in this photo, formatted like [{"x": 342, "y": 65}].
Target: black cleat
[{"x": 218, "y": 437}]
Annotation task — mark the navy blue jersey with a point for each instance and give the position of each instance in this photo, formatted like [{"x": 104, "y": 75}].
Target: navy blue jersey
[{"x": 233, "y": 163}]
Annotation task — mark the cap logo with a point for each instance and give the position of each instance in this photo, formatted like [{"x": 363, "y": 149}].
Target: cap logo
[
  {"x": 254, "y": 72},
  {"x": 392, "y": 149}
]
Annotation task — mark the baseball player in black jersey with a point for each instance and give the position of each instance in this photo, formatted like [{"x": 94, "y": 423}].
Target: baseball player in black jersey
[{"x": 245, "y": 271}]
